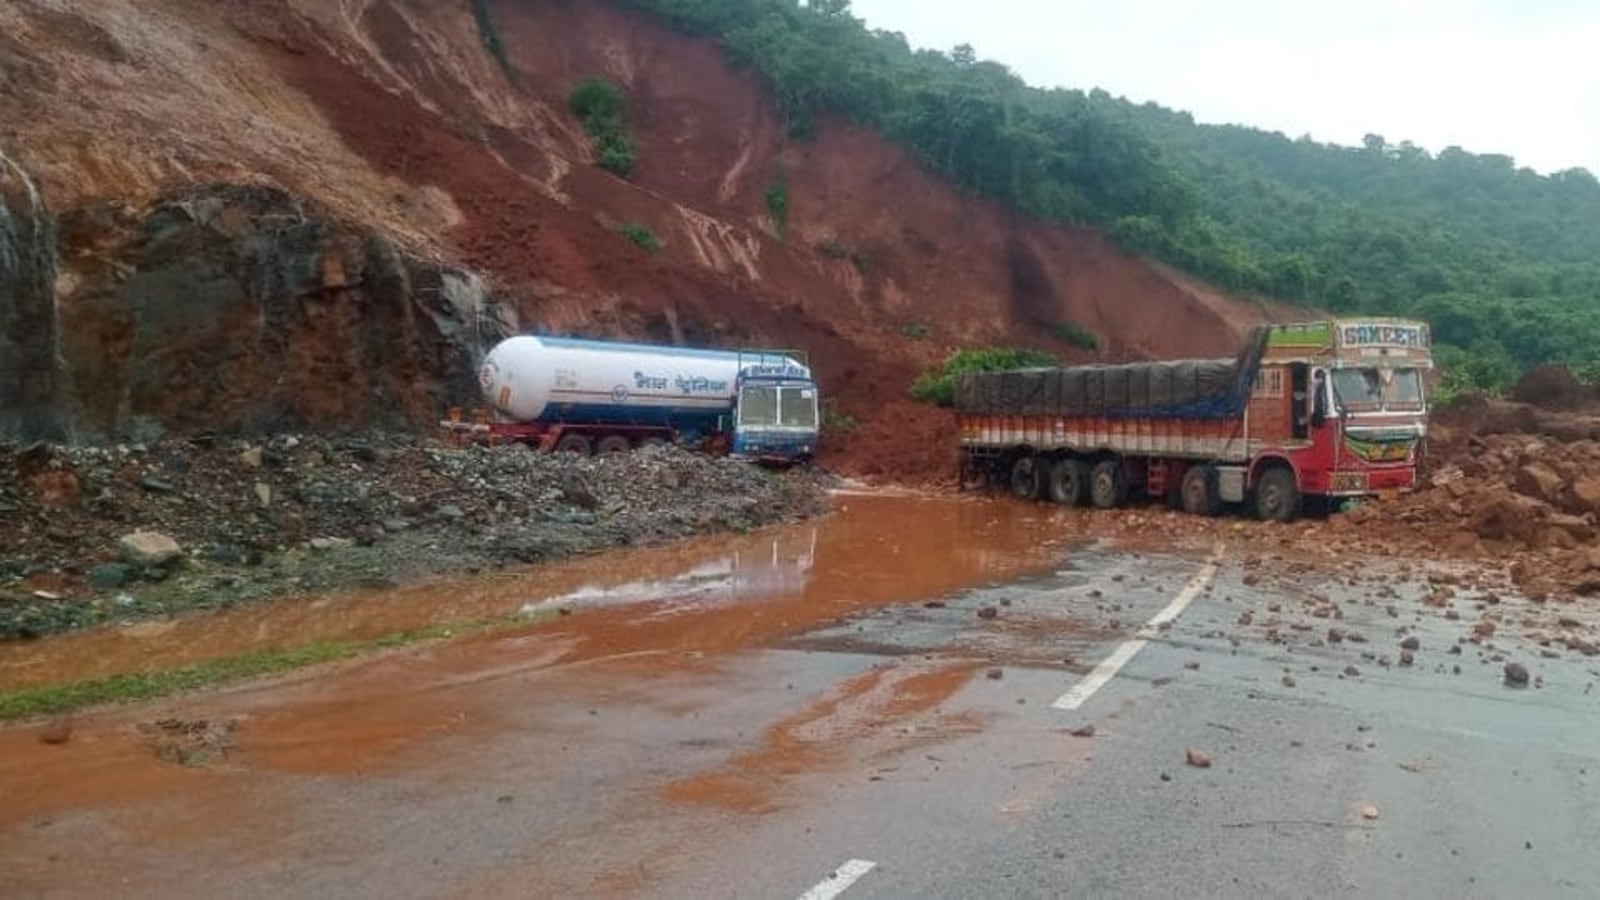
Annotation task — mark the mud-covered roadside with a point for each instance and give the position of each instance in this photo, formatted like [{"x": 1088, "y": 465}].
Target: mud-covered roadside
[{"x": 228, "y": 521}]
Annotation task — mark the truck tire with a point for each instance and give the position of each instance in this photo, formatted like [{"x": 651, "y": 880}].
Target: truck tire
[
  {"x": 575, "y": 443},
  {"x": 613, "y": 443},
  {"x": 1277, "y": 497},
  {"x": 1025, "y": 478},
  {"x": 1199, "y": 491},
  {"x": 1068, "y": 482},
  {"x": 1107, "y": 488}
]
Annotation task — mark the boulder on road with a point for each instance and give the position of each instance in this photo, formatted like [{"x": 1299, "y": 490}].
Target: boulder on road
[{"x": 149, "y": 548}]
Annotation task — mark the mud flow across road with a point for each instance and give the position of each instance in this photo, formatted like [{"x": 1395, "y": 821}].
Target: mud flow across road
[{"x": 913, "y": 696}]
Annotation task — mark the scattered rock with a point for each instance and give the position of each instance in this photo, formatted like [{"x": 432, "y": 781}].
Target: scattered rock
[
  {"x": 1352, "y": 671},
  {"x": 1407, "y": 658},
  {"x": 58, "y": 731},
  {"x": 1288, "y": 681},
  {"x": 251, "y": 459},
  {"x": 110, "y": 575},
  {"x": 988, "y": 612},
  {"x": 156, "y": 485},
  {"x": 1192, "y": 664},
  {"x": 1085, "y": 731},
  {"x": 995, "y": 674},
  {"x": 1411, "y": 643},
  {"x": 1335, "y": 635},
  {"x": 1516, "y": 674},
  {"x": 149, "y": 548},
  {"x": 1369, "y": 811},
  {"x": 325, "y": 544},
  {"x": 1197, "y": 758}
]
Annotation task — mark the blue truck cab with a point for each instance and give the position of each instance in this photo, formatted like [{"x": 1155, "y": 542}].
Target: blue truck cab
[{"x": 776, "y": 416}]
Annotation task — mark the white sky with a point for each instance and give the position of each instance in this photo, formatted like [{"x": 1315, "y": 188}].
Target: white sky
[{"x": 1519, "y": 77}]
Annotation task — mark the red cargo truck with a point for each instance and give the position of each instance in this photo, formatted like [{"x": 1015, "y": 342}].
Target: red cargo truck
[{"x": 1318, "y": 410}]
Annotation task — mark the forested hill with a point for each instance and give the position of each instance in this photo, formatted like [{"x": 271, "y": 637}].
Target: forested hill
[{"x": 1504, "y": 262}]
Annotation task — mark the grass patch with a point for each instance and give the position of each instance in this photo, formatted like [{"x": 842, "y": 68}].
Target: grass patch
[
  {"x": 55, "y": 699},
  {"x": 1076, "y": 335},
  {"x": 491, "y": 37},
  {"x": 641, "y": 235},
  {"x": 600, "y": 105},
  {"x": 777, "y": 197},
  {"x": 938, "y": 386},
  {"x": 837, "y": 422},
  {"x": 833, "y": 248}
]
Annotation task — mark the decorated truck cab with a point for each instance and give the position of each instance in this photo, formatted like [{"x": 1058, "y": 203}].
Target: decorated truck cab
[{"x": 1325, "y": 409}]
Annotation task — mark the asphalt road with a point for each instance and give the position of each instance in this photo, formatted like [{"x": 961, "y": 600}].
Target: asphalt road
[{"x": 906, "y": 746}]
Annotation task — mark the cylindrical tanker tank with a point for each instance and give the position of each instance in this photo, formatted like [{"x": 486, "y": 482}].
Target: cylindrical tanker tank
[{"x": 545, "y": 379}]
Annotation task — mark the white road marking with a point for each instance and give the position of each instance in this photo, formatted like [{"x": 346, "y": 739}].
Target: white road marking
[
  {"x": 1111, "y": 665},
  {"x": 840, "y": 880}
]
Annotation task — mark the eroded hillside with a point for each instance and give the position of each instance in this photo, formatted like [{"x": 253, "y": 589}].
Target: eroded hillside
[{"x": 309, "y": 212}]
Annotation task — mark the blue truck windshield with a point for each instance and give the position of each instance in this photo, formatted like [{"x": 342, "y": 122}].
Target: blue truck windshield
[{"x": 785, "y": 406}]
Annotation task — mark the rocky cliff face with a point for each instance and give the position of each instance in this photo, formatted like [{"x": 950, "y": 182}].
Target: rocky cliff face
[
  {"x": 30, "y": 368},
  {"x": 231, "y": 307}
]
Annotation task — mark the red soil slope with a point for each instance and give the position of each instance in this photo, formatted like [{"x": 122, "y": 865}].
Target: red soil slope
[{"x": 391, "y": 112}]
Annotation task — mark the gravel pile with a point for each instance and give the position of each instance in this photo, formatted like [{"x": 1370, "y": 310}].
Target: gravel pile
[{"x": 301, "y": 512}]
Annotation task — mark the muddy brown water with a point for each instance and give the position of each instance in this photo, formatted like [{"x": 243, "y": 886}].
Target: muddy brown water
[{"x": 705, "y": 595}]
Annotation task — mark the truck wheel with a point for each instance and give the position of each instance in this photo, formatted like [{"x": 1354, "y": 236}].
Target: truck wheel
[
  {"x": 1025, "y": 478},
  {"x": 974, "y": 475},
  {"x": 1199, "y": 490},
  {"x": 1068, "y": 483},
  {"x": 1277, "y": 496},
  {"x": 575, "y": 443},
  {"x": 1106, "y": 488},
  {"x": 613, "y": 443}
]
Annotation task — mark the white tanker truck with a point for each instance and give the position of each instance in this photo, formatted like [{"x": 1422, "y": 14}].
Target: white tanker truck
[{"x": 587, "y": 396}]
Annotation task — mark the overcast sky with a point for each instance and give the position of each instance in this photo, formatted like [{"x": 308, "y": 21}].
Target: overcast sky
[{"x": 1519, "y": 77}]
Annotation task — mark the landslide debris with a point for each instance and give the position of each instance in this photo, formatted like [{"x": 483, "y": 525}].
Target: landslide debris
[{"x": 93, "y": 533}]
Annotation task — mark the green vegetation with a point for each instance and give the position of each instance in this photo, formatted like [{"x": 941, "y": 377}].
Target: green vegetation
[
  {"x": 600, "y": 105},
  {"x": 491, "y": 36},
  {"x": 833, "y": 248},
  {"x": 1077, "y": 335},
  {"x": 1503, "y": 262},
  {"x": 641, "y": 235},
  {"x": 835, "y": 422},
  {"x": 938, "y": 385},
  {"x": 777, "y": 197},
  {"x": 59, "y": 698}
]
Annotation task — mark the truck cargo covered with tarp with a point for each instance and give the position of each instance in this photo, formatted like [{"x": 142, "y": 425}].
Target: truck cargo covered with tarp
[{"x": 1177, "y": 389}]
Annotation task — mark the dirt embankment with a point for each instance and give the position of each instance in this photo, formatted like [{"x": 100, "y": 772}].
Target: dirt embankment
[
  {"x": 393, "y": 118},
  {"x": 298, "y": 514},
  {"x": 1506, "y": 483}
]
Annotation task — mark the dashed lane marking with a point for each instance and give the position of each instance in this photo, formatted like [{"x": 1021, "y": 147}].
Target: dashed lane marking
[
  {"x": 1111, "y": 665},
  {"x": 840, "y": 880}
]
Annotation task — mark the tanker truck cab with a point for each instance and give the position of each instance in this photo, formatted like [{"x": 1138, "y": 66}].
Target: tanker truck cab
[{"x": 775, "y": 417}]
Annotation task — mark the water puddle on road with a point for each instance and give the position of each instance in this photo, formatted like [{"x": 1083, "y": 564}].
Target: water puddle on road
[{"x": 708, "y": 594}]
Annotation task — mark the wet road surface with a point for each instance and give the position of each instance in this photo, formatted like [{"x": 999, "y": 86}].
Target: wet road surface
[{"x": 887, "y": 697}]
